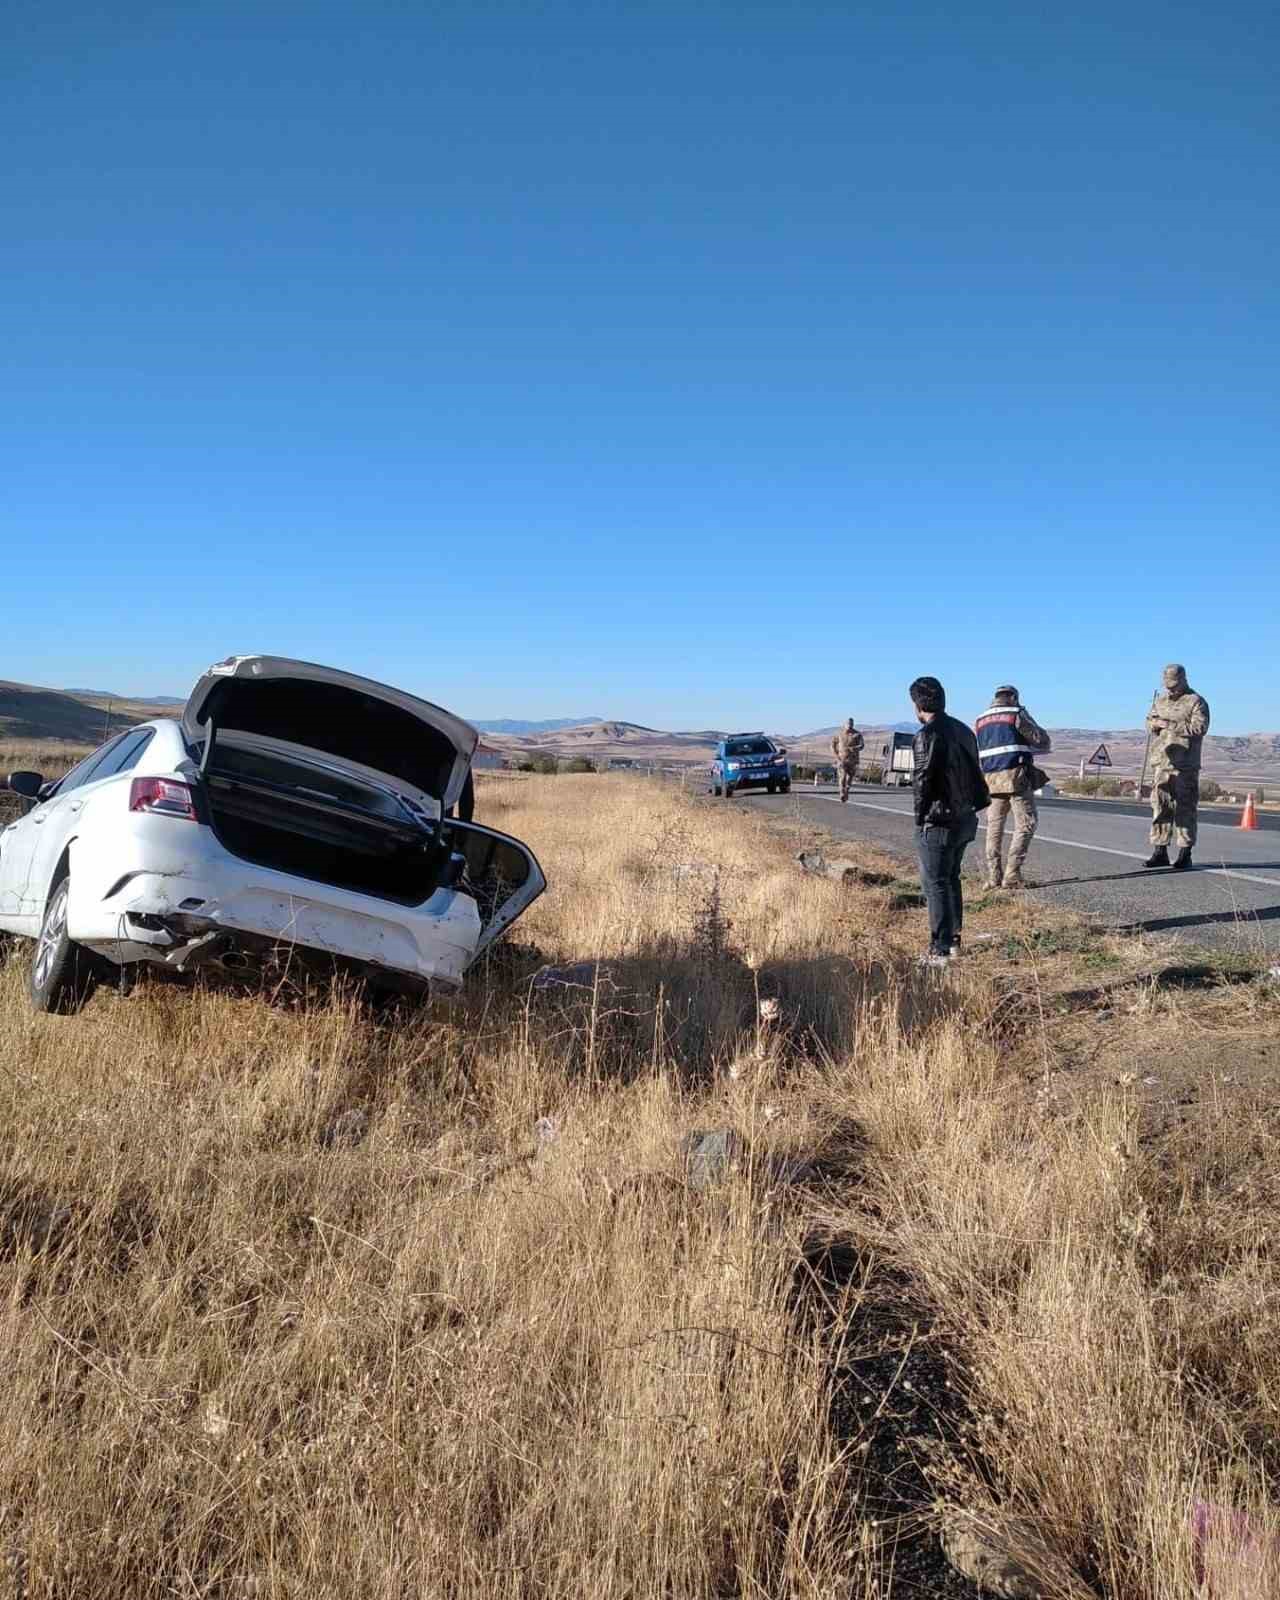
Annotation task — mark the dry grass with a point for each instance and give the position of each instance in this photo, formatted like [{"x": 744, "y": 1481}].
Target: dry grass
[
  {"x": 442, "y": 1353},
  {"x": 52, "y": 757}
]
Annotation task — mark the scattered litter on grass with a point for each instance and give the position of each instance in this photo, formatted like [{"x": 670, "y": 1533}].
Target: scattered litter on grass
[
  {"x": 346, "y": 1130},
  {"x": 1008, "y": 1556},
  {"x": 841, "y": 870},
  {"x": 711, "y": 1154},
  {"x": 1234, "y": 1558},
  {"x": 215, "y": 1424},
  {"x": 577, "y": 975}
]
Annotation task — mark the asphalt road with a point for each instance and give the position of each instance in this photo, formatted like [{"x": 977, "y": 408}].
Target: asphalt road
[
  {"x": 1088, "y": 857},
  {"x": 1228, "y": 816}
]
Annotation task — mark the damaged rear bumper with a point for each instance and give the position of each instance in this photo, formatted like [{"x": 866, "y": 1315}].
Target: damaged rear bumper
[{"x": 219, "y": 913}]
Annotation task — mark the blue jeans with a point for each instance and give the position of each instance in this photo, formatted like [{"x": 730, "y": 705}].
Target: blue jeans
[{"x": 941, "y": 850}]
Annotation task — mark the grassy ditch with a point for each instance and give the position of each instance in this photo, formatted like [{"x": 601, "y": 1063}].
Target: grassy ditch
[{"x": 300, "y": 1299}]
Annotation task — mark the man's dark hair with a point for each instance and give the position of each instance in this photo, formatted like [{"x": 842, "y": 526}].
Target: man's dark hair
[{"x": 927, "y": 694}]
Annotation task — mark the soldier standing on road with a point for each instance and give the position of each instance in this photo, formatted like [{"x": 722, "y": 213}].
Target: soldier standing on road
[
  {"x": 845, "y": 746},
  {"x": 1009, "y": 739},
  {"x": 1178, "y": 721}
]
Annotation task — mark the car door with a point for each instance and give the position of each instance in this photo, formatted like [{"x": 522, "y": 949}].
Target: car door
[
  {"x": 501, "y": 874},
  {"x": 21, "y": 842},
  {"x": 54, "y": 820},
  {"x": 16, "y": 843}
]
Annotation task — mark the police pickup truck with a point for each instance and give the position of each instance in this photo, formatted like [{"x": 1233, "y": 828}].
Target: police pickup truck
[{"x": 749, "y": 761}]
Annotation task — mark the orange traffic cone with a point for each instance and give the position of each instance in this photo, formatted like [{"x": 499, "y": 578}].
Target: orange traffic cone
[{"x": 1250, "y": 817}]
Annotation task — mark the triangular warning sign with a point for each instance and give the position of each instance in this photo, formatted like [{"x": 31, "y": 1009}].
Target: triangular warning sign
[{"x": 1100, "y": 757}]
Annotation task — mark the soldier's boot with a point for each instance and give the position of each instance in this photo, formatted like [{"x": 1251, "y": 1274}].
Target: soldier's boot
[
  {"x": 1013, "y": 877},
  {"x": 1183, "y": 861},
  {"x": 1159, "y": 857},
  {"x": 995, "y": 873}
]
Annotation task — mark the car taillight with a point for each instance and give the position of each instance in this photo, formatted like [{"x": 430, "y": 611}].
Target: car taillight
[{"x": 162, "y": 797}]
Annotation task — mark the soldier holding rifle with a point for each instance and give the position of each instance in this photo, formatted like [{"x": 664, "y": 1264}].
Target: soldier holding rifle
[
  {"x": 1177, "y": 723},
  {"x": 846, "y": 746}
]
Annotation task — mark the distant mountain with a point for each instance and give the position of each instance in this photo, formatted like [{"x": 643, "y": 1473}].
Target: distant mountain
[
  {"x": 126, "y": 699},
  {"x": 864, "y": 727},
  {"x": 514, "y": 725}
]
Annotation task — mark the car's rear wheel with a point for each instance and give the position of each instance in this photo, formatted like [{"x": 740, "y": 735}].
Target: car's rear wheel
[{"x": 63, "y": 973}]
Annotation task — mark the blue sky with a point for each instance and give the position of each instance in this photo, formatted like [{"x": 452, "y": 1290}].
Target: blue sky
[{"x": 699, "y": 364}]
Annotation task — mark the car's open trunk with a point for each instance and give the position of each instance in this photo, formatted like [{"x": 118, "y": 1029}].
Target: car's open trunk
[{"x": 316, "y": 822}]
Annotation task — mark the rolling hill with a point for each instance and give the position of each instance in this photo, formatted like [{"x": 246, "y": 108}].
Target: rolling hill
[
  {"x": 28, "y": 712},
  {"x": 81, "y": 717},
  {"x": 518, "y": 727}
]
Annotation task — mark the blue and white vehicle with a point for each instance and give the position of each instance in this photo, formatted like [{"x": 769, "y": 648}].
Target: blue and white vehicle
[{"x": 749, "y": 761}]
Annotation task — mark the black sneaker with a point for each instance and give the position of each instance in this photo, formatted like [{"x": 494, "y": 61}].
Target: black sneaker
[
  {"x": 1159, "y": 857},
  {"x": 1183, "y": 863}
]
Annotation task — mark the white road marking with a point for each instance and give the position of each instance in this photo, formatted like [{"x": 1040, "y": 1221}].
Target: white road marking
[
  {"x": 1216, "y": 872},
  {"x": 1072, "y": 844}
]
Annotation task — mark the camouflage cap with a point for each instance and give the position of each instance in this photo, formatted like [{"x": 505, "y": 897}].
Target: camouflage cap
[{"x": 1006, "y": 691}]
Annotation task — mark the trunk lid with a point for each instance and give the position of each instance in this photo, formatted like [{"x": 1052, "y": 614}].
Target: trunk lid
[{"x": 420, "y": 750}]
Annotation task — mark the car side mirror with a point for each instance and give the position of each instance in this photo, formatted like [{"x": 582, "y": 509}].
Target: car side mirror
[
  {"x": 782, "y": 749},
  {"x": 27, "y": 784}
]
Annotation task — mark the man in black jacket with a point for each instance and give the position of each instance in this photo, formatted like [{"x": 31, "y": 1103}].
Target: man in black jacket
[{"x": 949, "y": 792}]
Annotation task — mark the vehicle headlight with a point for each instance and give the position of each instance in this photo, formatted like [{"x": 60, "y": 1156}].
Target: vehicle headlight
[{"x": 733, "y": 765}]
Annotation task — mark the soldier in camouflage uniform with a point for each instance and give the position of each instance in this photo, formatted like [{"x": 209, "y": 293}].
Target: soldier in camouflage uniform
[
  {"x": 1178, "y": 721},
  {"x": 845, "y": 745},
  {"x": 1009, "y": 739}
]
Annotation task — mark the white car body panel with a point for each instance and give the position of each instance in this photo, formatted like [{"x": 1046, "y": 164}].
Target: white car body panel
[{"x": 164, "y": 889}]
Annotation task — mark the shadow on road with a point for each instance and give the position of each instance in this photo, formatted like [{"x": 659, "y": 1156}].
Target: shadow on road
[
  {"x": 1155, "y": 874},
  {"x": 1207, "y": 919},
  {"x": 1102, "y": 877}
]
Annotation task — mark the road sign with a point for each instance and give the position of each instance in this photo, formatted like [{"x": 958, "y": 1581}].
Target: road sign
[{"x": 1100, "y": 758}]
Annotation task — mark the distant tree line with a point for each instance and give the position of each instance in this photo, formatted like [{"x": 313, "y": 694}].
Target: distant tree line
[
  {"x": 549, "y": 766},
  {"x": 1116, "y": 788}
]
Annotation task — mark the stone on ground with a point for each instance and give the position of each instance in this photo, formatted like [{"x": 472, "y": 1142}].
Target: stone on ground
[{"x": 1009, "y": 1556}]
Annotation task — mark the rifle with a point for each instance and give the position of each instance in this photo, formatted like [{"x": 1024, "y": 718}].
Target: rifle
[{"x": 1142, "y": 781}]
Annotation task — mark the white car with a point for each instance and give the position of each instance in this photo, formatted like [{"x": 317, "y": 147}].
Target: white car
[{"x": 292, "y": 809}]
